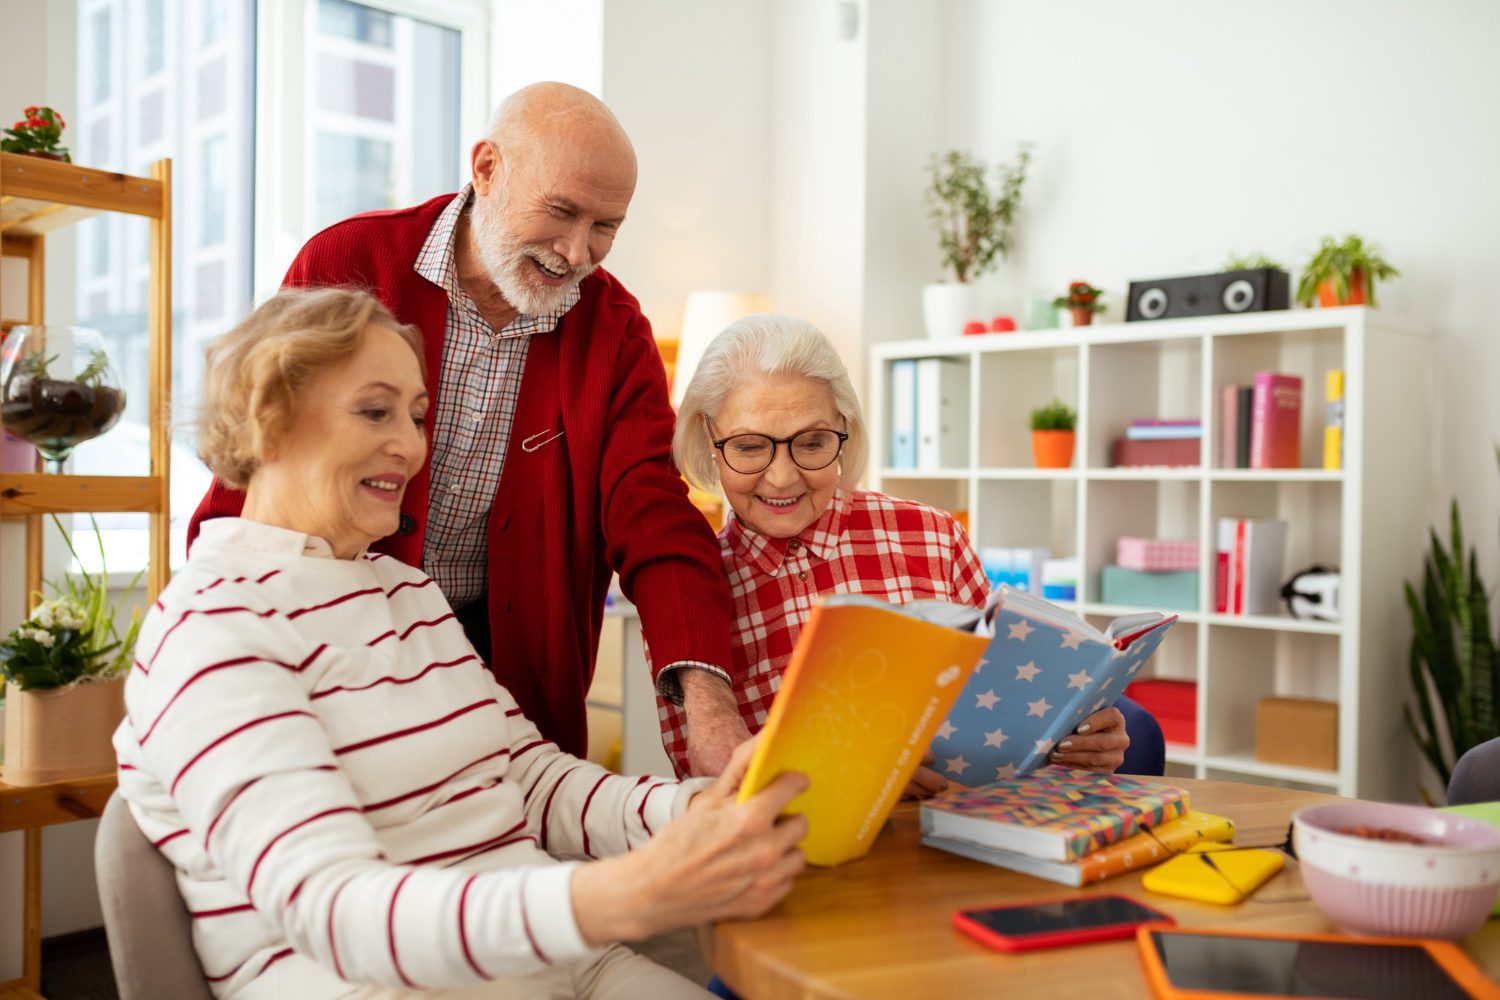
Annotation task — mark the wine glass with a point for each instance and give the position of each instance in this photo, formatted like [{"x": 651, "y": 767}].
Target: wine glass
[{"x": 58, "y": 388}]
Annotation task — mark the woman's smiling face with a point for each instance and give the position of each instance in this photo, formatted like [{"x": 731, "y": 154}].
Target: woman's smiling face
[{"x": 784, "y": 498}]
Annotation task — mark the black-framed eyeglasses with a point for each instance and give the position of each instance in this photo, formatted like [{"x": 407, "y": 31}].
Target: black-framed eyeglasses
[{"x": 811, "y": 450}]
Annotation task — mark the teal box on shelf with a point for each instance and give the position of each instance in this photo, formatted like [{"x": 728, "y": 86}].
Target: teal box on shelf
[{"x": 1179, "y": 591}]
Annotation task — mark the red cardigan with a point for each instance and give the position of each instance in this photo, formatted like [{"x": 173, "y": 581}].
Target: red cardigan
[{"x": 603, "y": 497}]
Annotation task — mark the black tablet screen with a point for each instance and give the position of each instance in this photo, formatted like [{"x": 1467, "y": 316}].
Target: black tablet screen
[{"x": 1303, "y": 968}]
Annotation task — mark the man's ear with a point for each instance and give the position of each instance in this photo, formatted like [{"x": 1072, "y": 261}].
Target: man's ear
[{"x": 487, "y": 166}]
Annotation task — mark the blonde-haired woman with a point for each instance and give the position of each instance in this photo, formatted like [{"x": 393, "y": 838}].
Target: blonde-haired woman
[
  {"x": 355, "y": 807},
  {"x": 772, "y": 419}
]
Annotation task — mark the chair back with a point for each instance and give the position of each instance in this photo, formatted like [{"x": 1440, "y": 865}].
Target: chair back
[
  {"x": 145, "y": 919},
  {"x": 1476, "y": 776}
]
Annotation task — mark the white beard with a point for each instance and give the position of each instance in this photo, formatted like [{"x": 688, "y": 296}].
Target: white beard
[{"x": 508, "y": 262}]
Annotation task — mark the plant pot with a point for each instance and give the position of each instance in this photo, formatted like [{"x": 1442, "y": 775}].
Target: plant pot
[
  {"x": 43, "y": 154},
  {"x": 1082, "y": 315},
  {"x": 947, "y": 306},
  {"x": 1052, "y": 449},
  {"x": 61, "y": 733},
  {"x": 1328, "y": 293}
]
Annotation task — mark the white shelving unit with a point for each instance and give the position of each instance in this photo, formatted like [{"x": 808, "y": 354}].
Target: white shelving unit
[{"x": 1368, "y": 518}]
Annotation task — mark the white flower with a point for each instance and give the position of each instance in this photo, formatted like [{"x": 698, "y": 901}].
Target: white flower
[
  {"x": 39, "y": 635},
  {"x": 42, "y": 613},
  {"x": 58, "y": 613}
]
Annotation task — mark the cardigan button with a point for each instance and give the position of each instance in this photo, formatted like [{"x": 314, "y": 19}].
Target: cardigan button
[{"x": 408, "y": 525}]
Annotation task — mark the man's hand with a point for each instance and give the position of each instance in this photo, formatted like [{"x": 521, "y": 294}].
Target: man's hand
[
  {"x": 714, "y": 725},
  {"x": 1098, "y": 745},
  {"x": 720, "y": 860}
]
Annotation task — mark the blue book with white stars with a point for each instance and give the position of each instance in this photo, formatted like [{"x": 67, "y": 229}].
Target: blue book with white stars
[{"x": 1044, "y": 672}]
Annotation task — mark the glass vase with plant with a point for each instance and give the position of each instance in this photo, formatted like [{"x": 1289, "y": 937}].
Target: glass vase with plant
[
  {"x": 58, "y": 388},
  {"x": 1343, "y": 274},
  {"x": 38, "y": 133},
  {"x": 73, "y": 635},
  {"x": 1082, "y": 300}
]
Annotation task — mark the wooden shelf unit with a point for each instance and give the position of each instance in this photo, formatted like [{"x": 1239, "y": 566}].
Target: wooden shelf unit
[
  {"x": 38, "y": 196},
  {"x": 1367, "y": 518}
]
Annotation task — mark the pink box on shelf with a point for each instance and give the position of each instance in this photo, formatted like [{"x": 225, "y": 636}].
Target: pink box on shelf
[{"x": 1157, "y": 555}]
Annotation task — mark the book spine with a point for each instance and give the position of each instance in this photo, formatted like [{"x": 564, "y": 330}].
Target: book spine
[
  {"x": 942, "y": 406},
  {"x": 1276, "y": 411},
  {"x": 1170, "y": 452},
  {"x": 1260, "y": 415},
  {"x": 1242, "y": 446},
  {"x": 1166, "y": 433},
  {"x": 904, "y": 414},
  {"x": 1221, "y": 565},
  {"x": 1229, "y": 429},
  {"x": 1151, "y": 846},
  {"x": 1237, "y": 569}
]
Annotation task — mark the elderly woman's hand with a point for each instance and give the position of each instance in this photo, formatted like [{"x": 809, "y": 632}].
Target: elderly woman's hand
[
  {"x": 925, "y": 782},
  {"x": 1097, "y": 745},
  {"x": 720, "y": 860}
]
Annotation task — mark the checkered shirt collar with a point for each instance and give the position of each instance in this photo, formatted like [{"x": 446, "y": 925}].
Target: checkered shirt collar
[
  {"x": 820, "y": 539},
  {"x": 437, "y": 263}
]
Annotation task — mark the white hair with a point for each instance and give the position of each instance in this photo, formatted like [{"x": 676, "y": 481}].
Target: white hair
[{"x": 756, "y": 347}]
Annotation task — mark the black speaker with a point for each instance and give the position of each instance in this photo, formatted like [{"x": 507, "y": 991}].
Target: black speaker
[{"x": 1210, "y": 294}]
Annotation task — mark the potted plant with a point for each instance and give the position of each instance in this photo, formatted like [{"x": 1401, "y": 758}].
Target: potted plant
[
  {"x": 37, "y": 134},
  {"x": 1052, "y": 435},
  {"x": 1455, "y": 663},
  {"x": 1082, "y": 301},
  {"x": 1343, "y": 274},
  {"x": 64, "y": 668},
  {"x": 973, "y": 220}
]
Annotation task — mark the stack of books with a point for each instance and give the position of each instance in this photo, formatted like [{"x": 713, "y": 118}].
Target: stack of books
[
  {"x": 1152, "y": 441},
  {"x": 1249, "y": 566},
  {"x": 1260, "y": 423},
  {"x": 1071, "y": 827}
]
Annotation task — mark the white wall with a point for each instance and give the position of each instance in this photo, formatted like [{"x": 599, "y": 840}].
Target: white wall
[
  {"x": 1172, "y": 132},
  {"x": 689, "y": 81}
]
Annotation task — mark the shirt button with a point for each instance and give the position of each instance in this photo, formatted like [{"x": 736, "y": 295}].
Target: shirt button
[
  {"x": 453, "y": 489},
  {"x": 802, "y": 575},
  {"x": 478, "y": 417},
  {"x": 794, "y": 545}
]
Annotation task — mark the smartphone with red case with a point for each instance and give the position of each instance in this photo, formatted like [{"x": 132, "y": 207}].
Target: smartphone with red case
[{"x": 1057, "y": 922}]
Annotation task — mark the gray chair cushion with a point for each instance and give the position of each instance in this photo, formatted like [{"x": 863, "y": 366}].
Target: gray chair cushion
[
  {"x": 1476, "y": 776},
  {"x": 145, "y": 919}
]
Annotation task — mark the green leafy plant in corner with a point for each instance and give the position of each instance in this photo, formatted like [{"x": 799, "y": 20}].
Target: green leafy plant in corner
[
  {"x": 1250, "y": 262},
  {"x": 1055, "y": 416},
  {"x": 1337, "y": 262},
  {"x": 973, "y": 219},
  {"x": 1455, "y": 665},
  {"x": 71, "y": 636}
]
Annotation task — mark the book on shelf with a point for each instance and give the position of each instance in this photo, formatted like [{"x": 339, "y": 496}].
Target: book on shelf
[
  {"x": 1056, "y": 815},
  {"x": 1168, "y": 452},
  {"x": 1045, "y": 669},
  {"x": 1019, "y": 567},
  {"x": 1249, "y": 566},
  {"x": 1166, "y": 422},
  {"x": 1229, "y": 426},
  {"x": 1140, "y": 850},
  {"x": 942, "y": 407},
  {"x": 1242, "y": 446},
  {"x": 866, "y": 688},
  {"x": 903, "y": 374},
  {"x": 1164, "y": 431},
  {"x": 1276, "y": 421}
]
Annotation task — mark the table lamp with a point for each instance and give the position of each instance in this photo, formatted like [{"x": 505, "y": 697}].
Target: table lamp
[{"x": 704, "y": 316}]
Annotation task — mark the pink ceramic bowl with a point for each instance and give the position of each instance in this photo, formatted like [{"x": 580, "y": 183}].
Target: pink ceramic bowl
[{"x": 1443, "y": 888}]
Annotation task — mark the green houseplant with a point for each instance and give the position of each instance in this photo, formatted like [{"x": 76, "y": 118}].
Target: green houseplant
[
  {"x": 973, "y": 209},
  {"x": 64, "y": 667},
  {"x": 37, "y": 134},
  {"x": 1082, "y": 299},
  {"x": 1052, "y": 435},
  {"x": 1250, "y": 262},
  {"x": 1454, "y": 662},
  {"x": 1342, "y": 274}
]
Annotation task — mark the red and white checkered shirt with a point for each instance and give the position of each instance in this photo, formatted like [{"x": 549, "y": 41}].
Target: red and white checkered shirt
[
  {"x": 864, "y": 543},
  {"x": 477, "y": 391}
]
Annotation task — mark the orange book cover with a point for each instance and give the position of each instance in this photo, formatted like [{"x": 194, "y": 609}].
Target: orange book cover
[{"x": 864, "y": 693}]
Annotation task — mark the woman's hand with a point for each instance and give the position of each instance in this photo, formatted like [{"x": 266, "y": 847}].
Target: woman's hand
[
  {"x": 720, "y": 860},
  {"x": 1097, "y": 745},
  {"x": 925, "y": 782}
]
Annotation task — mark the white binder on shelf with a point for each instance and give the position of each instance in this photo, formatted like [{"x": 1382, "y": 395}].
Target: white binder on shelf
[
  {"x": 903, "y": 408},
  {"x": 942, "y": 413}
]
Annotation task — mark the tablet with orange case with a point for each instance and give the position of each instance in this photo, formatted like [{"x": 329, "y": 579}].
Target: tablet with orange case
[{"x": 1201, "y": 963}]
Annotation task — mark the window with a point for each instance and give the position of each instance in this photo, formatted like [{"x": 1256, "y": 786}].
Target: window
[{"x": 322, "y": 130}]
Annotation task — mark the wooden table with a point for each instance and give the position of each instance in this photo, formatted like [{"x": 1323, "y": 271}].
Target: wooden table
[
  {"x": 30, "y": 809},
  {"x": 881, "y": 926}
]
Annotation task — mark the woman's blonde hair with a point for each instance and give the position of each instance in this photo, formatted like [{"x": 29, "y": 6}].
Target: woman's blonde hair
[
  {"x": 763, "y": 346},
  {"x": 255, "y": 372}
]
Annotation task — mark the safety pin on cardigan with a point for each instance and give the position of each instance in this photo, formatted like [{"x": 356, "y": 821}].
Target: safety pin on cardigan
[{"x": 528, "y": 447}]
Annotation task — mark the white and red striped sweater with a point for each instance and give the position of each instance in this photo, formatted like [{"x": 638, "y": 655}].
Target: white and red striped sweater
[{"x": 345, "y": 790}]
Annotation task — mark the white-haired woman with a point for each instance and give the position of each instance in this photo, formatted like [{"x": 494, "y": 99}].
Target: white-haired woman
[
  {"x": 355, "y": 807},
  {"x": 772, "y": 418}
]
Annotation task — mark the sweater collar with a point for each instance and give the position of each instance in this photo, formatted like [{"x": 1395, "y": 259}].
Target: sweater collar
[{"x": 820, "y": 539}]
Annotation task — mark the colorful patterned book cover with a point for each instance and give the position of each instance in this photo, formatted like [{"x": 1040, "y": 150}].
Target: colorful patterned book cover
[
  {"x": 1054, "y": 815},
  {"x": 1045, "y": 670},
  {"x": 867, "y": 686},
  {"x": 1144, "y": 849}
]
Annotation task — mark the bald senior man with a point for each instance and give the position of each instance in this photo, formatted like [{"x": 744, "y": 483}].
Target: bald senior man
[{"x": 551, "y": 428}]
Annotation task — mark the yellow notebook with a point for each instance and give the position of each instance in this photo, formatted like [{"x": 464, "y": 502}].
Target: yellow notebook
[{"x": 866, "y": 689}]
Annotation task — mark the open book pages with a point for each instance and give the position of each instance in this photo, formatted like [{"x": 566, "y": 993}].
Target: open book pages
[{"x": 1040, "y": 609}]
